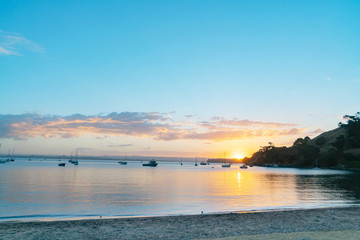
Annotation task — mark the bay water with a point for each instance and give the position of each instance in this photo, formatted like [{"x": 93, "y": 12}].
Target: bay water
[{"x": 41, "y": 190}]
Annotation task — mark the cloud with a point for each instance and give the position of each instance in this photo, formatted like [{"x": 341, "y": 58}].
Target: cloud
[
  {"x": 120, "y": 145},
  {"x": 317, "y": 131},
  {"x": 4, "y": 51},
  {"x": 154, "y": 125},
  {"x": 216, "y": 121},
  {"x": 15, "y": 43}
]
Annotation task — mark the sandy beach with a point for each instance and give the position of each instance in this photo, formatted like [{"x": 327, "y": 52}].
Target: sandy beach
[{"x": 325, "y": 223}]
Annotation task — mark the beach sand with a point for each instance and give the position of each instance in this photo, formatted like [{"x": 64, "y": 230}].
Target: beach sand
[{"x": 324, "y": 223}]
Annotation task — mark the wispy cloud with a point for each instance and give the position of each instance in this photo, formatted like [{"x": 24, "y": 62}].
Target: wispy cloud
[
  {"x": 158, "y": 126},
  {"x": 120, "y": 145},
  {"x": 16, "y": 44}
]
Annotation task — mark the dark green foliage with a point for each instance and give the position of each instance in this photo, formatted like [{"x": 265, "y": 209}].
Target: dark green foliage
[
  {"x": 340, "y": 142},
  {"x": 306, "y": 155},
  {"x": 301, "y": 141},
  {"x": 352, "y": 131},
  {"x": 302, "y": 154},
  {"x": 320, "y": 141},
  {"x": 330, "y": 158},
  {"x": 299, "y": 155}
]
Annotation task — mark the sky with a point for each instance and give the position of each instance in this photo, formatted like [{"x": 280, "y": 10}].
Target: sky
[{"x": 174, "y": 78}]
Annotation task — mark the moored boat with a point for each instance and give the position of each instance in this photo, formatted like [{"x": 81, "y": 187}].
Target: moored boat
[
  {"x": 61, "y": 164},
  {"x": 243, "y": 166},
  {"x": 226, "y": 165},
  {"x": 151, "y": 163}
]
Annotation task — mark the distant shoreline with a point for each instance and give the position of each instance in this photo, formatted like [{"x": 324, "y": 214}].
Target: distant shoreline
[{"x": 205, "y": 226}]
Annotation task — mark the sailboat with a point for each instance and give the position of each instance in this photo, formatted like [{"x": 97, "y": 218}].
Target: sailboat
[
  {"x": 2, "y": 161},
  {"x": 196, "y": 162},
  {"x": 71, "y": 158},
  {"x": 227, "y": 165},
  {"x": 76, "y": 162},
  {"x": 12, "y": 159},
  {"x": 123, "y": 162}
]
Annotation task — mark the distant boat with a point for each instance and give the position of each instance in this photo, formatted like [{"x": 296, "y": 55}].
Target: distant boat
[
  {"x": 203, "y": 163},
  {"x": 2, "y": 161},
  {"x": 122, "y": 163},
  {"x": 61, "y": 164},
  {"x": 226, "y": 165},
  {"x": 71, "y": 160},
  {"x": 151, "y": 163},
  {"x": 243, "y": 166},
  {"x": 12, "y": 159},
  {"x": 76, "y": 161},
  {"x": 196, "y": 162}
]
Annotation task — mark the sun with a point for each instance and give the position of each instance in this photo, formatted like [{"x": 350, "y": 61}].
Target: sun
[{"x": 238, "y": 155}]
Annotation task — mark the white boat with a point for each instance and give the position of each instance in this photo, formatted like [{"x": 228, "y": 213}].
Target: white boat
[{"x": 243, "y": 166}]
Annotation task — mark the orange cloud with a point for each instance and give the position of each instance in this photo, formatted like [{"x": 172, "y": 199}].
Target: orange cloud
[{"x": 158, "y": 126}]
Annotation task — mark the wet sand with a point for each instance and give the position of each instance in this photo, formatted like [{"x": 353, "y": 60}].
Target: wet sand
[{"x": 325, "y": 223}]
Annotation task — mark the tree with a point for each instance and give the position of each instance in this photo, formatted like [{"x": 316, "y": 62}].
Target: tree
[{"x": 352, "y": 127}]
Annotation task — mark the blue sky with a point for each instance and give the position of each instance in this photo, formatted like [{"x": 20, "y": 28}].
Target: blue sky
[{"x": 295, "y": 64}]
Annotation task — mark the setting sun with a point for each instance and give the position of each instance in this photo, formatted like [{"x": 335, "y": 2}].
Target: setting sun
[{"x": 238, "y": 155}]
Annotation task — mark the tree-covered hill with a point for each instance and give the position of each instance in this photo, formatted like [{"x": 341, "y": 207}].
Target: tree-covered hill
[{"x": 338, "y": 148}]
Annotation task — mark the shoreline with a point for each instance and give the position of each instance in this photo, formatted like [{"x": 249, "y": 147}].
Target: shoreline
[
  {"x": 203, "y": 226},
  {"x": 99, "y": 217}
]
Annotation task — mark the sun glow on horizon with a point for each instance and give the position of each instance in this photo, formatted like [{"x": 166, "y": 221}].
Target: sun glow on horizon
[{"x": 238, "y": 155}]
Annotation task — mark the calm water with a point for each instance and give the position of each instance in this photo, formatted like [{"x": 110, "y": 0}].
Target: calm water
[{"x": 32, "y": 190}]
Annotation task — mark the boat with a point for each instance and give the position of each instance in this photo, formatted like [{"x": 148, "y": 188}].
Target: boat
[
  {"x": 203, "y": 163},
  {"x": 122, "y": 163},
  {"x": 243, "y": 166},
  {"x": 2, "y": 161},
  {"x": 196, "y": 162},
  {"x": 226, "y": 165},
  {"x": 12, "y": 159},
  {"x": 151, "y": 163},
  {"x": 71, "y": 160},
  {"x": 76, "y": 161},
  {"x": 61, "y": 164}
]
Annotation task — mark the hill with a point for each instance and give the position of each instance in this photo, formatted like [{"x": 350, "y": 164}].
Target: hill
[{"x": 338, "y": 148}]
